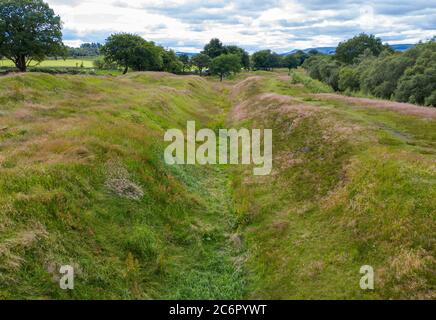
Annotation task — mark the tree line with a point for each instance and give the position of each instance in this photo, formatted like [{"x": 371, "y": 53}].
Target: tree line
[
  {"x": 30, "y": 32},
  {"x": 85, "y": 50},
  {"x": 364, "y": 64}
]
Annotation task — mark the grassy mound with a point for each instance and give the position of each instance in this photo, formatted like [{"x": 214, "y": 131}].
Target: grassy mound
[
  {"x": 352, "y": 185},
  {"x": 83, "y": 182}
]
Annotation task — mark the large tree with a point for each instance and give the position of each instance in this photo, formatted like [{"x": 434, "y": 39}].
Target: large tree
[
  {"x": 29, "y": 31},
  {"x": 201, "y": 61},
  {"x": 214, "y": 48},
  {"x": 351, "y": 49},
  {"x": 245, "y": 57},
  {"x": 132, "y": 51},
  {"x": 225, "y": 65}
]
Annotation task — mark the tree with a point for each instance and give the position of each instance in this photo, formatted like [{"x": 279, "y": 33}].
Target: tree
[
  {"x": 225, "y": 65},
  {"x": 290, "y": 62},
  {"x": 302, "y": 56},
  {"x": 265, "y": 60},
  {"x": 132, "y": 51},
  {"x": 351, "y": 49},
  {"x": 274, "y": 61},
  {"x": 245, "y": 57},
  {"x": 214, "y": 48},
  {"x": 186, "y": 61},
  {"x": 171, "y": 62},
  {"x": 201, "y": 61},
  {"x": 29, "y": 31}
]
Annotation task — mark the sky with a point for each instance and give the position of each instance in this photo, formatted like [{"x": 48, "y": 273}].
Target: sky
[{"x": 280, "y": 25}]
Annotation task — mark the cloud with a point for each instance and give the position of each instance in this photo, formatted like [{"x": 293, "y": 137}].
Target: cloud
[{"x": 281, "y": 25}]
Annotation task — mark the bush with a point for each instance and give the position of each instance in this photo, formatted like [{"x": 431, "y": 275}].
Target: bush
[
  {"x": 72, "y": 71},
  {"x": 418, "y": 84},
  {"x": 406, "y": 77},
  {"x": 324, "y": 68},
  {"x": 349, "y": 79},
  {"x": 314, "y": 86},
  {"x": 380, "y": 76}
]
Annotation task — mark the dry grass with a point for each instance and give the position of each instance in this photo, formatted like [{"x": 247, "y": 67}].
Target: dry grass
[
  {"x": 119, "y": 181},
  {"x": 405, "y": 108},
  {"x": 10, "y": 248}
]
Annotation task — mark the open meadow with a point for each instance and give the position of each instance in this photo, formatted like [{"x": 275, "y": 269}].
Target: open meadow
[{"x": 87, "y": 62}]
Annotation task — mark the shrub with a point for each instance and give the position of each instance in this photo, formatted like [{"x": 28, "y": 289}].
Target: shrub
[
  {"x": 380, "y": 76},
  {"x": 418, "y": 84},
  {"x": 323, "y": 68},
  {"x": 348, "y": 79}
]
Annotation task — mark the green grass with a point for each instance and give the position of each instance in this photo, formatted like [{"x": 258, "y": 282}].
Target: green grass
[
  {"x": 87, "y": 63},
  {"x": 351, "y": 186},
  {"x": 67, "y": 138}
]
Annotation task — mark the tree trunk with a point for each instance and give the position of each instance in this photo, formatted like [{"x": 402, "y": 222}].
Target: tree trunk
[
  {"x": 20, "y": 63},
  {"x": 126, "y": 69},
  {"x": 201, "y": 71},
  {"x": 221, "y": 77}
]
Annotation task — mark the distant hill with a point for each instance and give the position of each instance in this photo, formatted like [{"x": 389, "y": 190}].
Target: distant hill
[
  {"x": 189, "y": 54},
  {"x": 332, "y": 50},
  {"x": 402, "y": 47},
  {"x": 324, "y": 50}
]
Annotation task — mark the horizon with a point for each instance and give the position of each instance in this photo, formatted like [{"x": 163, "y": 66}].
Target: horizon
[{"x": 282, "y": 26}]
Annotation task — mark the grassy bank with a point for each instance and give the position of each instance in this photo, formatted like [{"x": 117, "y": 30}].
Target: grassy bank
[
  {"x": 83, "y": 182},
  {"x": 352, "y": 185}
]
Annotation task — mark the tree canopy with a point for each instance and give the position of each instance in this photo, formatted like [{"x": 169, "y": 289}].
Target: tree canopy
[
  {"x": 225, "y": 65},
  {"x": 214, "y": 48},
  {"x": 171, "y": 62},
  {"x": 29, "y": 31},
  {"x": 132, "y": 51},
  {"x": 201, "y": 61},
  {"x": 290, "y": 61},
  {"x": 349, "y": 50},
  {"x": 186, "y": 62},
  {"x": 265, "y": 60},
  {"x": 408, "y": 76}
]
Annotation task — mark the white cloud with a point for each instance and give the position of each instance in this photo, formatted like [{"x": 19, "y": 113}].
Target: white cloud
[
  {"x": 254, "y": 24},
  {"x": 73, "y": 43}
]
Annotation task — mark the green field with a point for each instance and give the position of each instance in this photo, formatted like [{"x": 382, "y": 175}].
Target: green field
[
  {"x": 87, "y": 63},
  {"x": 83, "y": 182}
]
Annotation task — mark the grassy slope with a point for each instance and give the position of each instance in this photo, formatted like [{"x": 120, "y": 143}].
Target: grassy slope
[
  {"x": 352, "y": 186},
  {"x": 72, "y": 150}
]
